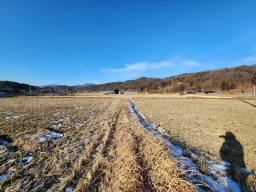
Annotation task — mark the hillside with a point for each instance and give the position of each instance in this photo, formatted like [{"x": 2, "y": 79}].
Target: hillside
[
  {"x": 16, "y": 87},
  {"x": 22, "y": 89},
  {"x": 133, "y": 85},
  {"x": 238, "y": 78}
]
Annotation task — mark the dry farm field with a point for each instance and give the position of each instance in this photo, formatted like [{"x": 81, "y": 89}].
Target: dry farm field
[
  {"x": 200, "y": 124},
  {"x": 81, "y": 144}
]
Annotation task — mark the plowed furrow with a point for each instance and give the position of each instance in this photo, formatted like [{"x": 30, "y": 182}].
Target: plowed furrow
[
  {"x": 145, "y": 177},
  {"x": 85, "y": 163},
  {"x": 95, "y": 173}
]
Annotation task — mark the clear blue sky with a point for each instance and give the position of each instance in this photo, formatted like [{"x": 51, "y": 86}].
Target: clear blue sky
[{"x": 75, "y": 42}]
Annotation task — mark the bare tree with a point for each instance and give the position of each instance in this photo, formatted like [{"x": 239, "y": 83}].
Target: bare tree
[{"x": 254, "y": 83}]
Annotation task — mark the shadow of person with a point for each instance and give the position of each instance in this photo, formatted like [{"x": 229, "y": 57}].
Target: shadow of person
[{"x": 232, "y": 152}]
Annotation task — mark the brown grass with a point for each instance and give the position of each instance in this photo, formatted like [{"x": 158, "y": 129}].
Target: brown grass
[
  {"x": 108, "y": 151},
  {"x": 198, "y": 123}
]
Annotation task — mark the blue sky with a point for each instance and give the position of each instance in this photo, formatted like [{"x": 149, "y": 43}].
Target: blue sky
[{"x": 75, "y": 42}]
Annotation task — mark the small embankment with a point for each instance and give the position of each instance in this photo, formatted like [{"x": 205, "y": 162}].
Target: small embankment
[
  {"x": 161, "y": 172},
  {"x": 140, "y": 162}
]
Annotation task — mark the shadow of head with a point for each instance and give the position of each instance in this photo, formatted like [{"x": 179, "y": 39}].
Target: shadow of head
[
  {"x": 232, "y": 151},
  {"x": 229, "y": 136}
]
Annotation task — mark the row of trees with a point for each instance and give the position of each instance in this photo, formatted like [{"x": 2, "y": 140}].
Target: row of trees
[
  {"x": 224, "y": 86},
  {"x": 224, "y": 80},
  {"x": 227, "y": 86}
]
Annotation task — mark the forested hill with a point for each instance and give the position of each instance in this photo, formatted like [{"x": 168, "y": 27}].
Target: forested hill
[
  {"x": 239, "y": 78},
  {"x": 16, "y": 87}
]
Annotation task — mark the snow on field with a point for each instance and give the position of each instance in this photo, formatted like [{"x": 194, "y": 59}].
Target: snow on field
[
  {"x": 5, "y": 151},
  {"x": 215, "y": 177},
  {"x": 69, "y": 188},
  {"x": 4, "y": 176},
  {"x": 50, "y": 136},
  {"x": 65, "y": 123},
  {"x": 26, "y": 160},
  {"x": 10, "y": 115}
]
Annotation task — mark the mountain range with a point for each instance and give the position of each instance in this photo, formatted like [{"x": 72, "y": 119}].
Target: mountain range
[{"x": 237, "y": 78}]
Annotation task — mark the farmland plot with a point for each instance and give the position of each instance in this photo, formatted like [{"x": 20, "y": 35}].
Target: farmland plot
[
  {"x": 199, "y": 123},
  {"x": 70, "y": 144},
  {"x": 57, "y": 135}
]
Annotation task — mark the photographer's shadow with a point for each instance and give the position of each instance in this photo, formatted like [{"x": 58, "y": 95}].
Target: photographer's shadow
[{"x": 232, "y": 152}]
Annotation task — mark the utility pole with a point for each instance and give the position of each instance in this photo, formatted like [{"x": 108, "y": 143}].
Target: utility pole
[{"x": 30, "y": 91}]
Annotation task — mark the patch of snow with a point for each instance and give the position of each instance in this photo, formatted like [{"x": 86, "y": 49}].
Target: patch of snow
[
  {"x": 56, "y": 126},
  {"x": 26, "y": 160},
  {"x": 60, "y": 124},
  {"x": 163, "y": 131},
  {"x": 12, "y": 116},
  {"x": 5, "y": 176},
  {"x": 69, "y": 188},
  {"x": 3, "y": 149},
  {"x": 51, "y": 136},
  {"x": 11, "y": 161},
  {"x": 55, "y": 114},
  {"x": 8, "y": 113},
  {"x": 76, "y": 125},
  {"x": 73, "y": 125}
]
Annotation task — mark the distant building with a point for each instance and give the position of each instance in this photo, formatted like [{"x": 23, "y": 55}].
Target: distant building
[
  {"x": 208, "y": 91},
  {"x": 190, "y": 92}
]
